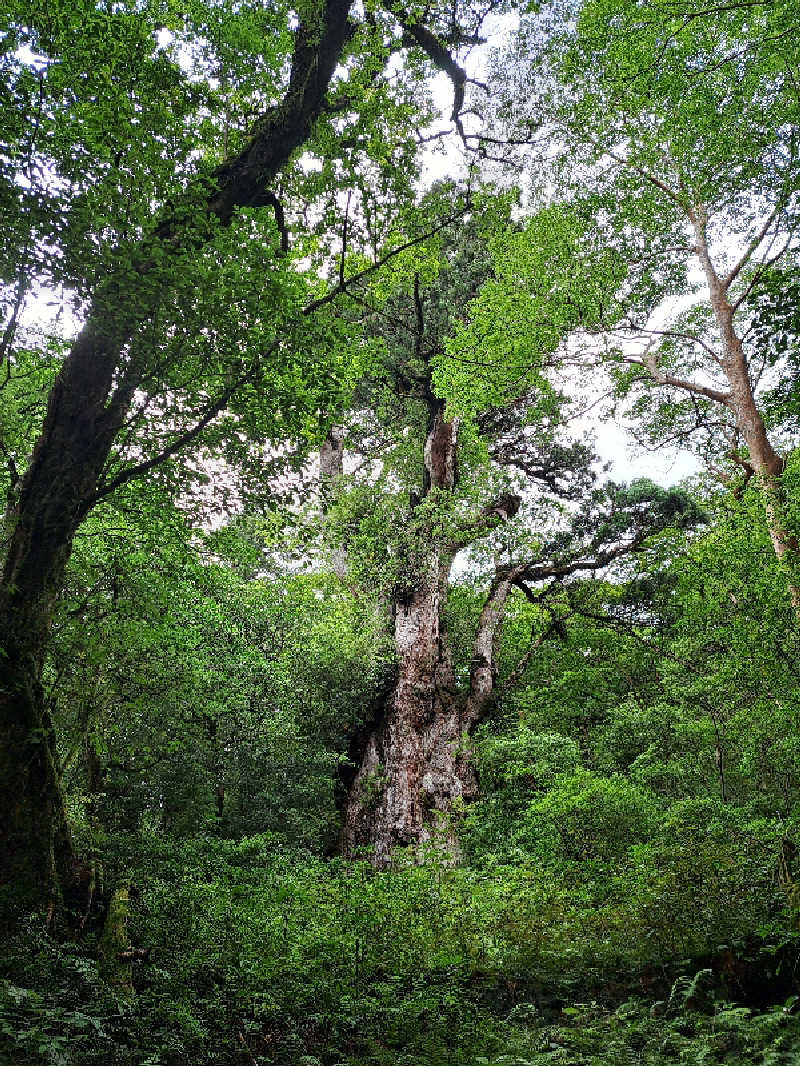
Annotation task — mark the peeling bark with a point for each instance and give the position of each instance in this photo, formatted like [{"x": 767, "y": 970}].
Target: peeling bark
[{"x": 440, "y": 452}]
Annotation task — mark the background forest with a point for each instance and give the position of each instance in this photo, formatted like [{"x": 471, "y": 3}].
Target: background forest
[{"x": 353, "y": 710}]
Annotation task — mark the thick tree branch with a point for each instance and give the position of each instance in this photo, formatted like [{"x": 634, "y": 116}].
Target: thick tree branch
[
  {"x": 648, "y": 361},
  {"x": 280, "y": 131},
  {"x": 485, "y": 647},
  {"x": 417, "y": 34},
  {"x": 499, "y": 510},
  {"x": 543, "y": 572}
]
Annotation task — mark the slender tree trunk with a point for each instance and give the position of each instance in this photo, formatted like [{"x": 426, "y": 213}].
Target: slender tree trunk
[
  {"x": 331, "y": 468},
  {"x": 86, "y": 408},
  {"x": 766, "y": 463},
  {"x": 486, "y": 648}
]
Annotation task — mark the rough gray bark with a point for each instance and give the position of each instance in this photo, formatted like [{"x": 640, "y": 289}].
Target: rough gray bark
[{"x": 412, "y": 768}]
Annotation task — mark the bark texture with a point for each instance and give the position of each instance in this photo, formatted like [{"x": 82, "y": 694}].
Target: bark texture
[
  {"x": 412, "y": 767},
  {"x": 87, "y": 406},
  {"x": 415, "y": 766},
  {"x": 764, "y": 461}
]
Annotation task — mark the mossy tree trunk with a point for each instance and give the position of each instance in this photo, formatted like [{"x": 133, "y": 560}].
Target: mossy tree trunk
[{"x": 411, "y": 771}]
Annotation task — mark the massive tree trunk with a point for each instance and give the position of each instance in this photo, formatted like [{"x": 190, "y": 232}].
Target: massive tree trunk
[
  {"x": 86, "y": 409},
  {"x": 415, "y": 767},
  {"x": 412, "y": 767}
]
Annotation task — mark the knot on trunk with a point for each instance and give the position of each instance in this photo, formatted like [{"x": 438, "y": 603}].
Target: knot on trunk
[{"x": 504, "y": 507}]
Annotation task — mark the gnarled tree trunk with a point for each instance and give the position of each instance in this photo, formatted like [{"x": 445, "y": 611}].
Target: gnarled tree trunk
[
  {"x": 412, "y": 767},
  {"x": 415, "y": 767}
]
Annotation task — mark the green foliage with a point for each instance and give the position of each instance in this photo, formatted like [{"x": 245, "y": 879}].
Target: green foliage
[
  {"x": 585, "y": 816},
  {"x": 519, "y": 318},
  {"x": 419, "y": 965},
  {"x": 208, "y": 701},
  {"x": 687, "y": 1032},
  {"x": 670, "y": 137},
  {"x": 628, "y": 886},
  {"x": 601, "y": 859},
  {"x": 535, "y": 759}
]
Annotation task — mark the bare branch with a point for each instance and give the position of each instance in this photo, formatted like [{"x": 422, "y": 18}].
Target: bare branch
[
  {"x": 679, "y": 335},
  {"x": 541, "y": 572},
  {"x": 343, "y": 287},
  {"x": 759, "y": 272},
  {"x": 648, "y": 361}
]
